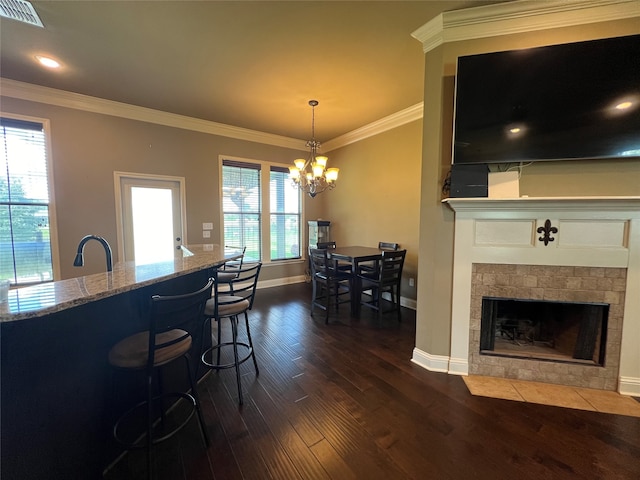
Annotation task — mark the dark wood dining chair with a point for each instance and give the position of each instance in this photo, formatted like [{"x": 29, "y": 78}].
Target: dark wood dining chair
[
  {"x": 344, "y": 266},
  {"x": 329, "y": 284},
  {"x": 370, "y": 267},
  {"x": 386, "y": 280},
  {"x": 172, "y": 322},
  {"x": 325, "y": 245},
  {"x": 388, "y": 246}
]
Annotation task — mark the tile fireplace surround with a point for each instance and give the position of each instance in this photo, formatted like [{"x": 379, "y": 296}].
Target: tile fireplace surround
[{"x": 584, "y": 249}]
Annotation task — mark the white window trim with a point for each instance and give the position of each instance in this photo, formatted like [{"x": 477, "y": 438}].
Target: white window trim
[
  {"x": 265, "y": 233},
  {"x": 53, "y": 223}
]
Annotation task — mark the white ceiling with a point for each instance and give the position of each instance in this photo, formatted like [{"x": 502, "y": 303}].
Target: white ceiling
[{"x": 251, "y": 64}]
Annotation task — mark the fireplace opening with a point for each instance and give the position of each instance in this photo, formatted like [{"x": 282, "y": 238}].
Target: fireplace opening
[{"x": 544, "y": 330}]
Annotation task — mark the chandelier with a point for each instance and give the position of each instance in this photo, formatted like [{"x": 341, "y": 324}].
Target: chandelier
[{"x": 312, "y": 175}]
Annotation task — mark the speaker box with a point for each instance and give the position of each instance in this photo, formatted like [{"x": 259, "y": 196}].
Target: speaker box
[{"x": 469, "y": 181}]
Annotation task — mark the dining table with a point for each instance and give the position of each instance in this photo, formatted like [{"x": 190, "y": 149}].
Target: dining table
[{"x": 355, "y": 255}]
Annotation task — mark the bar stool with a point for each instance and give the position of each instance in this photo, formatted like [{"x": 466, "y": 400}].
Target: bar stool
[
  {"x": 168, "y": 339},
  {"x": 229, "y": 271},
  {"x": 232, "y": 300}
]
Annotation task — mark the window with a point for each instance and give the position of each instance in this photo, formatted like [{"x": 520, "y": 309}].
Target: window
[
  {"x": 284, "y": 202},
  {"x": 241, "y": 206},
  {"x": 243, "y": 201},
  {"x": 25, "y": 236}
]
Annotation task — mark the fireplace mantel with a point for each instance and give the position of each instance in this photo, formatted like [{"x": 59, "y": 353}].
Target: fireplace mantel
[
  {"x": 551, "y": 204},
  {"x": 602, "y": 232}
]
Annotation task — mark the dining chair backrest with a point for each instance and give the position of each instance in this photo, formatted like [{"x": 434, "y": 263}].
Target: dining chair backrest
[
  {"x": 326, "y": 245},
  {"x": 175, "y": 312},
  {"x": 322, "y": 265},
  {"x": 388, "y": 246},
  {"x": 391, "y": 266},
  {"x": 319, "y": 262}
]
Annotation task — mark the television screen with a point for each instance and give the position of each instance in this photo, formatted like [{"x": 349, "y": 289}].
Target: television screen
[{"x": 572, "y": 101}]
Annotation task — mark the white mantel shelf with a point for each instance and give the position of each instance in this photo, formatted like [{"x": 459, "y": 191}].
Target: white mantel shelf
[
  {"x": 587, "y": 232},
  {"x": 522, "y": 204}
]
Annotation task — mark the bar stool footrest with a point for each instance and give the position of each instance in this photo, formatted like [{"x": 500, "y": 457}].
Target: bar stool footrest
[
  {"x": 249, "y": 353},
  {"x": 141, "y": 441}
]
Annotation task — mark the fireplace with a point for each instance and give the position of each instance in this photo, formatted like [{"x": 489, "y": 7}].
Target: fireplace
[
  {"x": 576, "y": 257},
  {"x": 566, "y": 297},
  {"x": 568, "y": 332}
]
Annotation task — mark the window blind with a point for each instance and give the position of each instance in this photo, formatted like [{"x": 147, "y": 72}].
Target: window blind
[
  {"x": 25, "y": 244},
  {"x": 241, "y": 206}
]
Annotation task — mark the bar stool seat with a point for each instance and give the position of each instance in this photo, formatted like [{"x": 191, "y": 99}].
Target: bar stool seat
[
  {"x": 227, "y": 305},
  {"x": 227, "y": 277},
  {"x": 133, "y": 351}
]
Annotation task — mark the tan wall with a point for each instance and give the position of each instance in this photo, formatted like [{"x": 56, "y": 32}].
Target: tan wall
[
  {"x": 377, "y": 197},
  {"x": 568, "y": 178},
  {"x": 87, "y": 148}
]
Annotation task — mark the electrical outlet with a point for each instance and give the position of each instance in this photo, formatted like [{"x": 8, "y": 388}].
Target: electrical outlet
[
  {"x": 412, "y": 282},
  {"x": 207, "y": 247},
  {"x": 206, "y": 234},
  {"x": 207, "y": 226}
]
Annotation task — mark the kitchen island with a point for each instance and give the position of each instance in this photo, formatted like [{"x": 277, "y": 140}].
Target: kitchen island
[{"x": 59, "y": 395}]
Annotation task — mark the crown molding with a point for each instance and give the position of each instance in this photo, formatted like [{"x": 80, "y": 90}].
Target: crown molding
[
  {"x": 518, "y": 17},
  {"x": 396, "y": 120},
  {"x": 76, "y": 101}
]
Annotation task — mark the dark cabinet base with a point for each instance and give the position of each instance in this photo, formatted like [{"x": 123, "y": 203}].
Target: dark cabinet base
[{"x": 59, "y": 396}]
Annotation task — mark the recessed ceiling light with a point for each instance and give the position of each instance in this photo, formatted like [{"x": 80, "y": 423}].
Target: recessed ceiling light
[
  {"x": 48, "y": 62},
  {"x": 515, "y": 130},
  {"x": 624, "y": 105}
]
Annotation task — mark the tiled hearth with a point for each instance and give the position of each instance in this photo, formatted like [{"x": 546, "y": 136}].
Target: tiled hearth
[
  {"x": 549, "y": 283},
  {"x": 565, "y": 249},
  {"x": 557, "y": 395}
]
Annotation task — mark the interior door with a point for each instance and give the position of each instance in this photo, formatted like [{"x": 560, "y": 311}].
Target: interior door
[{"x": 151, "y": 217}]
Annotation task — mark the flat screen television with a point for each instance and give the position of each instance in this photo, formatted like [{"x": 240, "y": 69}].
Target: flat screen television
[{"x": 571, "y": 101}]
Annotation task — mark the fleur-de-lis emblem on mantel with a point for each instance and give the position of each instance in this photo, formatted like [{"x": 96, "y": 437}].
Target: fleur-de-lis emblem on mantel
[{"x": 547, "y": 230}]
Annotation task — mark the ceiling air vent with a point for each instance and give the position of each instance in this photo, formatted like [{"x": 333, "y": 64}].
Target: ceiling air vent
[{"x": 20, "y": 10}]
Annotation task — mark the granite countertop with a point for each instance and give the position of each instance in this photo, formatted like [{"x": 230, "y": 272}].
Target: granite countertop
[{"x": 46, "y": 298}]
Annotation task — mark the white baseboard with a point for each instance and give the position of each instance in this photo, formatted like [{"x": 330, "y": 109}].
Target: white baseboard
[
  {"x": 404, "y": 301},
  {"x": 458, "y": 366},
  {"x": 409, "y": 303},
  {"x": 629, "y": 386},
  {"x": 277, "y": 282},
  {"x": 433, "y": 363}
]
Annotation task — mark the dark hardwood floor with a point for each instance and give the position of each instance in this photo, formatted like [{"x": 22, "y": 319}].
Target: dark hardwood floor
[{"x": 344, "y": 401}]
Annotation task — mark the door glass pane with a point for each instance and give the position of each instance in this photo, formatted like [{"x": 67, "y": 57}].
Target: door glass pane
[{"x": 152, "y": 212}]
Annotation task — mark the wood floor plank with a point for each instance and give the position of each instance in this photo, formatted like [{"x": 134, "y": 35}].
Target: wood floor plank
[{"x": 278, "y": 417}]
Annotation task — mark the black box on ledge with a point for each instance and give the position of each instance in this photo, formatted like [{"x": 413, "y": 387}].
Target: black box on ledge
[{"x": 469, "y": 181}]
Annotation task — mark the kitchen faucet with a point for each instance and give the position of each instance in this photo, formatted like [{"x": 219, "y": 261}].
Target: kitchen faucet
[{"x": 79, "y": 261}]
